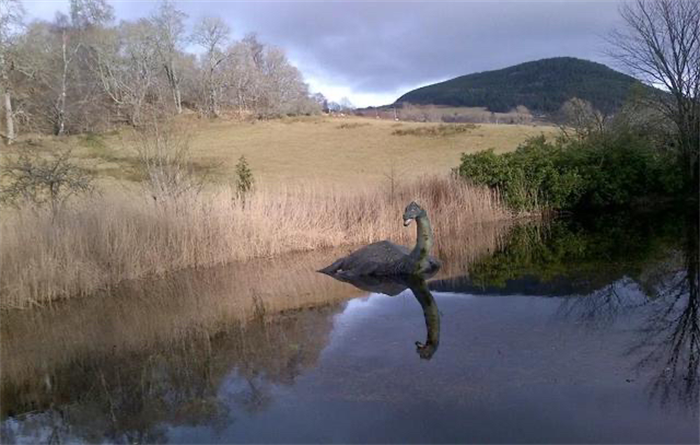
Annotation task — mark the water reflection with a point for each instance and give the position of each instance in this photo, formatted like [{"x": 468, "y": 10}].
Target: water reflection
[
  {"x": 193, "y": 348},
  {"x": 671, "y": 337},
  {"x": 239, "y": 354},
  {"x": 394, "y": 285},
  {"x": 609, "y": 270},
  {"x": 134, "y": 398}
]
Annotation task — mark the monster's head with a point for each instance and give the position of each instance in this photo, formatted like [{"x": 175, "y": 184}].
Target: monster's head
[{"x": 412, "y": 212}]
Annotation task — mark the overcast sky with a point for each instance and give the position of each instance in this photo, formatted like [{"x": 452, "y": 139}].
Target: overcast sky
[{"x": 372, "y": 52}]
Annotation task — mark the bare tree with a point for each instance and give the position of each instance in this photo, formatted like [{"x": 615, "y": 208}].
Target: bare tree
[
  {"x": 580, "y": 120},
  {"x": 661, "y": 45},
  {"x": 63, "y": 92},
  {"x": 170, "y": 34},
  {"x": 245, "y": 72},
  {"x": 321, "y": 101},
  {"x": 212, "y": 34},
  {"x": 41, "y": 180},
  {"x": 11, "y": 14},
  {"x": 70, "y": 45},
  {"x": 88, "y": 13},
  {"x": 127, "y": 64},
  {"x": 164, "y": 156},
  {"x": 284, "y": 89},
  {"x": 83, "y": 15}
]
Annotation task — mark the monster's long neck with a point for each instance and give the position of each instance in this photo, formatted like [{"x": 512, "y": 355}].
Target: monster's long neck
[
  {"x": 432, "y": 318},
  {"x": 424, "y": 239}
]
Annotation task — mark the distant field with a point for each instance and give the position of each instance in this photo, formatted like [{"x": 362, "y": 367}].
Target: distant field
[{"x": 337, "y": 150}]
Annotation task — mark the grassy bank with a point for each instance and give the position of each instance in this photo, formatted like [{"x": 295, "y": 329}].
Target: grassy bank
[{"x": 100, "y": 241}]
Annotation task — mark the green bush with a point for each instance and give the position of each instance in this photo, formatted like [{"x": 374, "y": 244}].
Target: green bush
[
  {"x": 600, "y": 171},
  {"x": 534, "y": 176},
  {"x": 244, "y": 177}
]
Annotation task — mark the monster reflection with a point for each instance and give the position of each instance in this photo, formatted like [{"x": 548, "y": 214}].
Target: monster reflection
[{"x": 394, "y": 285}]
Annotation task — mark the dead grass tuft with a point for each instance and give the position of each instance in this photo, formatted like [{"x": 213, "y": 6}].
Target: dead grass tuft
[
  {"x": 436, "y": 131},
  {"x": 351, "y": 125}
]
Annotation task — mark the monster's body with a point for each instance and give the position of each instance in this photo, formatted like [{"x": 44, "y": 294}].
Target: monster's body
[{"x": 385, "y": 258}]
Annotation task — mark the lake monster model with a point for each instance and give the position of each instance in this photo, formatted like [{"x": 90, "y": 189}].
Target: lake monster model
[{"x": 385, "y": 258}]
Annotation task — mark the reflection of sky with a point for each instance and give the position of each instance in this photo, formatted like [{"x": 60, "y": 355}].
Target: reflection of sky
[
  {"x": 38, "y": 429},
  {"x": 364, "y": 308},
  {"x": 515, "y": 358},
  {"x": 535, "y": 361}
]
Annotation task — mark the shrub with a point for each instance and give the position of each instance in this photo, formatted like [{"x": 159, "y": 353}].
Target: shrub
[
  {"x": 166, "y": 163},
  {"x": 621, "y": 168},
  {"x": 351, "y": 125},
  {"x": 605, "y": 169},
  {"x": 244, "y": 177},
  {"x": 442, "y": 130},
  {"x": 48, "y": 179},
  {"x": 531, "y": 178}
]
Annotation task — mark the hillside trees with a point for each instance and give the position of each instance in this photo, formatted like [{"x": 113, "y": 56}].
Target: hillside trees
[
  {"x": 542, "y": 86},
  {"x": 83, "y": 73}
]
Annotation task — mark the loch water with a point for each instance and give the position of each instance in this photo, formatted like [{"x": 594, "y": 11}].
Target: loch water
[{"x": 569, "y": 331}]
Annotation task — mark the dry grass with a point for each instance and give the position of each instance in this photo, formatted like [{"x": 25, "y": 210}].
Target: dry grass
[
  {"x": 106, "y": 240},
  {"x": 351, "y": 125},
  {"x": 436, "y": 131},
  {"x": 440, "y": 113}
]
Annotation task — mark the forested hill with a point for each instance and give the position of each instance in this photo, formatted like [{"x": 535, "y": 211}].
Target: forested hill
[{"x": 543, "y": 86}]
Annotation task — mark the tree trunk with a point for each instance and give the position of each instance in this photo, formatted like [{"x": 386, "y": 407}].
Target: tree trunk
[
  {"x": 174, "y": 87},
  {"x": 178, "y": 99},
  {"x": 7, "y": 102},
  {"x": 9, "y": 117},
  {"x": 213, "y": 102},
  {"x": 61, "y": 103},
  {"x": 695, "y": 177}
]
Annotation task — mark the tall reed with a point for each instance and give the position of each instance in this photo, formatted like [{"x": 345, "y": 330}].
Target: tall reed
[{"x": 101, "y": 241}]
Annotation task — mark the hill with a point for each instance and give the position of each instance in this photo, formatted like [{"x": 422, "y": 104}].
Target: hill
[{"x": 542, "y": 86}]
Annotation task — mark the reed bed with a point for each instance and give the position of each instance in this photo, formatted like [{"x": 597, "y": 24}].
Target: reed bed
[{"x": 100, "y": 241}]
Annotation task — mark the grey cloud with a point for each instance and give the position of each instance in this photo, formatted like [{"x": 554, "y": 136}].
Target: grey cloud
[{"x": 384, "y": 46}]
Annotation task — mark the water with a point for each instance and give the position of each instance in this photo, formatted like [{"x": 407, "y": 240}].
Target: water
[{"x": 576, "y": 331}]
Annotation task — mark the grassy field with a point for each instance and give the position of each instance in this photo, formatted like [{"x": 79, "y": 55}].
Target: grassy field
[{"x": 325, "y": 150}]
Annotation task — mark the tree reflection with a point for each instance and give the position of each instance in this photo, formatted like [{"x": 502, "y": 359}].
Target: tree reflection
[
  {"x": 135, "y": 397},
  {"x": 665, "y": 292},
  {"x": 671, "y": 336},
  {"x": 614, "y": 268}
]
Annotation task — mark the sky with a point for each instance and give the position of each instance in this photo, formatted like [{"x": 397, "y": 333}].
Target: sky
[{"x": 373, "y": 52}]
